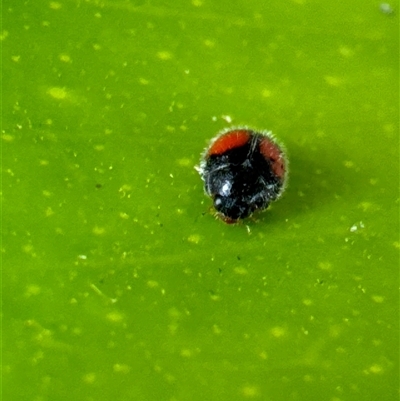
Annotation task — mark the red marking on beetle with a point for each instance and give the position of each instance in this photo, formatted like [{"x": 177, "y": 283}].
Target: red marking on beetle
[
  {"x": 271, "y": 151},
  {"x": 231, "y": 140}
]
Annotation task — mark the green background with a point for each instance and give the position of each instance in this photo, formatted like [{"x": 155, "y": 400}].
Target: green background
[{"x": 118, "y": 283}]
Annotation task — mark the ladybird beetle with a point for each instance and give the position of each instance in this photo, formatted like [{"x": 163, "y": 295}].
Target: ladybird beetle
[{"x": 243, "y": 171}]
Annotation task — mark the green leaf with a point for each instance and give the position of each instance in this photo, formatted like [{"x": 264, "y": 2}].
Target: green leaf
[{"x": 118, "y": 282}]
